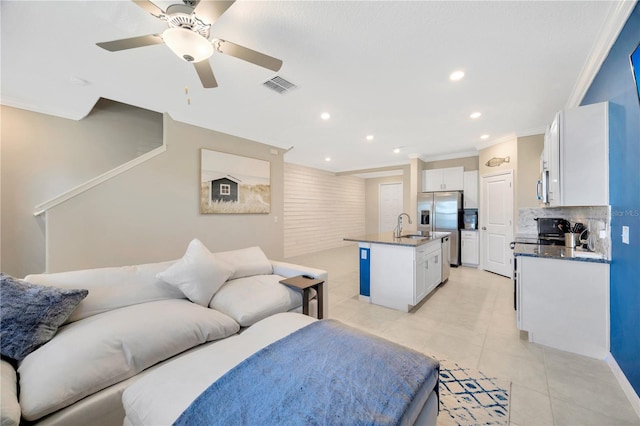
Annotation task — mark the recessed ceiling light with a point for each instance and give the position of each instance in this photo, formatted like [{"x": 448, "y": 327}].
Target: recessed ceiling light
[
  {"x": 484, "y": 137},
  {"x": 327, "y": 159},
  {"x": 475, "y": 114},
  {"x": 369, "y": 137},
  {"x": 396, "y": 150},
  {"x": 456, "y": 75},
  {"x": 325, "y": 116}
]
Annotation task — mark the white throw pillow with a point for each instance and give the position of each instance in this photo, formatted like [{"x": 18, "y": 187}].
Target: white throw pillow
[
  {"x": 199, "y": 274},
  {"x": 246, "y": 262},
  {"x": 250, "y": 299}
]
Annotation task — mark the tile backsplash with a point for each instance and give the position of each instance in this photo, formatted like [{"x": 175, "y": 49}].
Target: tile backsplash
[{"x": 594, "y": 218}]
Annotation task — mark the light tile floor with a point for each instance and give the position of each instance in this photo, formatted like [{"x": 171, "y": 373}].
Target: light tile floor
[{"x": 470, "y": 320}]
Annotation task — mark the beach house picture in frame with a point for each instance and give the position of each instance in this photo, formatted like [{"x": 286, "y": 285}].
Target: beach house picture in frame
[{"x": 233, "y": 183}]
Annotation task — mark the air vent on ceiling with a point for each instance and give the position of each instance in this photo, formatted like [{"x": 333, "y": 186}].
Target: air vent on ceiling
[{"x": 280, "y": 85}]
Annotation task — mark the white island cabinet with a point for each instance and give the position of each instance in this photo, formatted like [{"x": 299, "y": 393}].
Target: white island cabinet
[
  {"x": 401, "y": 276},
  {"x": 564, "y": 304}
]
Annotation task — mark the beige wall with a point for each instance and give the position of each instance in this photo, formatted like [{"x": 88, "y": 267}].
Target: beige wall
[
  {"x": 43, "y": 156},
  {"x": 151, "y": 212},
  {"x": 524, "y": 156},
  {"x": 524, "y": 153},
  {"x": 320, "y": 209},
  {"x": 529, "y": 150},
  {"x": 372, "y": 188},
  {"x": 508, "y": 148},
  {"x": 469, "y": 163}
]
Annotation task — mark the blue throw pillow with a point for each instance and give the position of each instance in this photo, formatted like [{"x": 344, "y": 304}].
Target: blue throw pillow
[{"x": 30, "y": 314}]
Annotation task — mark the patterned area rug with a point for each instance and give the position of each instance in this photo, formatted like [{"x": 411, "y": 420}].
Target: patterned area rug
[{"x": 468, "y": 397}]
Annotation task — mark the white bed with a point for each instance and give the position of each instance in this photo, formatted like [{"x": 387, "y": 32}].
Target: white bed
[{"x": 160, "y": 398}]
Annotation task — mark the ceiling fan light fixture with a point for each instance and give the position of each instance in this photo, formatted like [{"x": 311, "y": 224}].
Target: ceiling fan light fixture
[{"x": 188, "y": 45}]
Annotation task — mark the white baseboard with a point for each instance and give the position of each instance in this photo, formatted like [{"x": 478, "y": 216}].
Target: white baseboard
[{"x": 631, "y": 394}]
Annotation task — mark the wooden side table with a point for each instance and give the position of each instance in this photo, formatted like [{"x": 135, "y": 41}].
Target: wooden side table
[{"x": 303, "y": 283}]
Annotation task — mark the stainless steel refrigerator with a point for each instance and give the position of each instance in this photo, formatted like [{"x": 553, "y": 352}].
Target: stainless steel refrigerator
[{"x": 442, "y": 212}]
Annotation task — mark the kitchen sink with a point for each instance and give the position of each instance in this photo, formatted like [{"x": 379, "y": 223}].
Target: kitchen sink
[{"x": 414, "y": 236}]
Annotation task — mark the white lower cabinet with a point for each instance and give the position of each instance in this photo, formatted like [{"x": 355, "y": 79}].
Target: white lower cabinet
[
  {"x": 428, "y": 270},
  {"x": 564, "y": 304},
  {"x": 421, "y": 276},
  {"x": 469, "y": 248},
  {"x": 401, "y": 276}
]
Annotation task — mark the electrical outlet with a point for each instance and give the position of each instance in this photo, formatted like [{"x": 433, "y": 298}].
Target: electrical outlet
[{"x": 625, "y": 235}]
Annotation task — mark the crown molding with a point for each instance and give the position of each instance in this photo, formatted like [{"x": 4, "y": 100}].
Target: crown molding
[
  {"x": 614, "y": 22},
  {"x": 373, "y": 175},
  {"x": 532, "y": 132},
  {"x": 487, "y": 144},
  {"x": 472, "y": 153}
]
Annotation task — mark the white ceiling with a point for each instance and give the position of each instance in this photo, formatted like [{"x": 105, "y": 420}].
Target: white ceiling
[{"x": 378, "y": 67}]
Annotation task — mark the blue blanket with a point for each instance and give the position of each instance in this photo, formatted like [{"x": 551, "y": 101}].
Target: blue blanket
[{"x": 325, "y": 373}]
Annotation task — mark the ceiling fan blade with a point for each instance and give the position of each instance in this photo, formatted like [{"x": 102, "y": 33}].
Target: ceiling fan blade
[
  {"x": 210, "y": 10},
  {"x": 149, "y": 7},
  {"x": 246, "y": 54},
  {"x": 203, "y": 68},
  {"x": 131, "y": 43}
]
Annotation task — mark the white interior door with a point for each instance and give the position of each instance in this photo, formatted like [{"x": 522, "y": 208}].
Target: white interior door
[
  {"x": 496, "y": 219},
  {"x": 390, "y": 196}
]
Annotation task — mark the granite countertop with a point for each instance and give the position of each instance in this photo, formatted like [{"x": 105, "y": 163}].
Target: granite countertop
[
  {"x": 388, "y": 238},
  {"x": 558, "y": 252}
]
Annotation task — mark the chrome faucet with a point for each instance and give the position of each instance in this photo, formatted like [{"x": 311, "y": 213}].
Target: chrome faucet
[{"x": 399, "y": 227}]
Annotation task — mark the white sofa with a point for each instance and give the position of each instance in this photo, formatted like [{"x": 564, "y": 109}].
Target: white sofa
[{"x": 132, "y": 322}]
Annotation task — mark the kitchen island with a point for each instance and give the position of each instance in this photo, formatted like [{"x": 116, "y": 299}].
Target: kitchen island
[{"x": 399, "y": 272}]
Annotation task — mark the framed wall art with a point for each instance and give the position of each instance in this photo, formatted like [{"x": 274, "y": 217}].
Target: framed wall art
[{"x": 234, "y": 184}]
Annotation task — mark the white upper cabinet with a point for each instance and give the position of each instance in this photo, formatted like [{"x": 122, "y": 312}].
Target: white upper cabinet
[
  {"x": 551, "y": 160},
  {"x": 584, "y": 156},
  {"x": 470, "y": 189},
  {"x": 576, "y": 157},
  {"x": 448, "y": 179},
  {"x": 432, "y": 180}
]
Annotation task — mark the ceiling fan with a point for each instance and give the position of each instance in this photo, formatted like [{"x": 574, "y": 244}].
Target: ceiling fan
[{"x": 188, "y": 37}]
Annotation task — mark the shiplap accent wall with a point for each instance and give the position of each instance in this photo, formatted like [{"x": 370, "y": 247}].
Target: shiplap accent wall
[{"x": 320, "y": 209}]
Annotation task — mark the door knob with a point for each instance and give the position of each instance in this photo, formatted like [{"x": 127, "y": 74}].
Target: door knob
[{"x": 484, "y": 228}]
